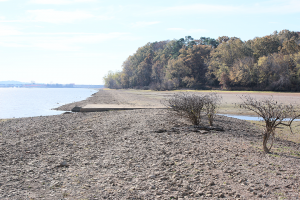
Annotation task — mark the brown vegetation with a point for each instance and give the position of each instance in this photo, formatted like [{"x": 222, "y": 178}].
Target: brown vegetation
[
  {"x": 273, "y": 113},
  {"x": 271, "y": 62},
  {"x": 192, "y": 105}
]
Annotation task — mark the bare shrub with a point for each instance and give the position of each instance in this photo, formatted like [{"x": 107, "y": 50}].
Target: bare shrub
[
  {"x": 192, "y": 106},
  {"x": 211, "y": 104},
  {"x": 273, "y": 113}
]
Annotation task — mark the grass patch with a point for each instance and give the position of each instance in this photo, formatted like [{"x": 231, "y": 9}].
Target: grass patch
[
  {"x": 282, "y": 133},
  {"x": 229, "y": 98}
]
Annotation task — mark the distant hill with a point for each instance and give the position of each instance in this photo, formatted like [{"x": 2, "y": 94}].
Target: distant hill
[{"x": 12, "y": 82}]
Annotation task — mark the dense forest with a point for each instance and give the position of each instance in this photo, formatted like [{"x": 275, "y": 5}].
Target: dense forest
[{"x": 271, "y": 63}]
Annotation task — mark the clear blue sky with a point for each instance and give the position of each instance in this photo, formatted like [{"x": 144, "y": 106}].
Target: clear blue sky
[{"x": 79, "y": 41}]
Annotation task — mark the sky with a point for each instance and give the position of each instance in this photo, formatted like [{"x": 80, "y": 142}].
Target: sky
[{"x": 79, "y": 41}]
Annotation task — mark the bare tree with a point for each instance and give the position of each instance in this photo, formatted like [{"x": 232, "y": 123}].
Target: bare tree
[
  {"x": 192, "y": 106},
  {"x": 273, "y": 113}
]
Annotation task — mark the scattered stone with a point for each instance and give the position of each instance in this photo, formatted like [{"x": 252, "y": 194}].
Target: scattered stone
[
  {"x": 203, "y": 132},
  {"x": 160, "y": 131},
  {"x": 63, "y": 164},
  {"x": 117, "y": 155},
  {"x": 152, "y": 176},
  {"x": 211, "y": 183}
]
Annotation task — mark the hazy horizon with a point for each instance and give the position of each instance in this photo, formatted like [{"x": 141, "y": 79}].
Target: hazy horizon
[{"x": 19, "y": 82}]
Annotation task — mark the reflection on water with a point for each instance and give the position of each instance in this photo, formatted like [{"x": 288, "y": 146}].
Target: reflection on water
[{"x": 252, "y": 118}]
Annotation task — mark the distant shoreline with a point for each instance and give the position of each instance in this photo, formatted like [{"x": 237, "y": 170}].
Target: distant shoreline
[{"x": 49, "y": 86}]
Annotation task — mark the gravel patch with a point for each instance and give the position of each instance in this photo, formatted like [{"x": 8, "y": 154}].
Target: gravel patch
[{"x": 139, "y": 154}]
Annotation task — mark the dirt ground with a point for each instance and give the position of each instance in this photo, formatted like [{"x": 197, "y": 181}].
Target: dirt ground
[
  {"x": 229, "y": 103},
  {"x": 230, "y": 99},
  {"x": 141, "y": 154}
]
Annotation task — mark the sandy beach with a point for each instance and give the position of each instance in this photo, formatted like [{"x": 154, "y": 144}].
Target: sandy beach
[{"x": 141, "y": 154}]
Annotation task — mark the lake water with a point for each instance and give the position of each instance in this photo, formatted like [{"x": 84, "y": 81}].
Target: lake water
[
  {"x": 30, "y": 102},
  {"x": 244, "y": 117},
  {"x": 252, "y": 118}
]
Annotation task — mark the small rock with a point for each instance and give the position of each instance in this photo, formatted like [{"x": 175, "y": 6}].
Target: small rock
[
  {"x": 160, "y": 131},
  {"x": 266, "y": 184},
  {"x": 64, "y": 164},
  {"x": 67, "y": 113},
  {"x": 221, "y": 195},
  {"x": 212, "y": 183},
  {"x": 200, "y": 193},
  {"x": 152, "y": 176},
  {"x": 203, "y": 132}
]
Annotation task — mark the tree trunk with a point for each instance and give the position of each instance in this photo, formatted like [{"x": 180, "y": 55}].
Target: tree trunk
[
  {"x": 210, "y": 119},
  {"x": 268, "y": 132}
]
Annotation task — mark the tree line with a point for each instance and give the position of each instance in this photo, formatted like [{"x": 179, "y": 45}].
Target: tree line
[{"x": 271, "y": 63}]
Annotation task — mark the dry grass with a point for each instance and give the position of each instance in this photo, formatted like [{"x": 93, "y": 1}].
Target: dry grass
[
  {"x": 283, "y": 132},
  {"x": 230, "y": 98}
]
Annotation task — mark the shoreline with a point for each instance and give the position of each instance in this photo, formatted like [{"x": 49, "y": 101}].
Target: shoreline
[
  {"x": 155, "y": 98},
  {"x": 141, "y": 154}
]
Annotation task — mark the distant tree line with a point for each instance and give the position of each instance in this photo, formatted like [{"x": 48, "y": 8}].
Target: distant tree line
[{"x": 265, "y": 63}]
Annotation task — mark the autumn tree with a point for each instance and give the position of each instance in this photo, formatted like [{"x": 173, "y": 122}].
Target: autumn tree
[
  {"x": 264, "y": 46},
  {"x": 274, "y": 72},
  {"x": 285, "y": 35},
  {"x": 208, "y": 41},
  {"x": 290, "y": 46},
  {"x": 224, "y": 56},
  {"x": 244, "y": 72},
  {"x": 112, "y": 80},
  {"x": 266, "y": 63},
  {"x": 190, "y": 67},
  {"x": 222, "y": 39}
]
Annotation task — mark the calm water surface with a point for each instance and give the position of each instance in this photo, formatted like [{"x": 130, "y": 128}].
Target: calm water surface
[
  {"x": 30, "y": 102},
  {"x": 252, "y": 118}
]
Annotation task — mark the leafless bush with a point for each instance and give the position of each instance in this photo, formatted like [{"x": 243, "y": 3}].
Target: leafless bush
[
  {"x": 273, "y": 113},
  {"x": 211, "y": 103},
  {"x": 192, "y": 106}
]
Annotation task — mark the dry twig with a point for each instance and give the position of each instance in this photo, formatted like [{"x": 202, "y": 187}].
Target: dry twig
[
  {"x": 273, "y": 113},
  {"x": 192, "y": 106}
]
